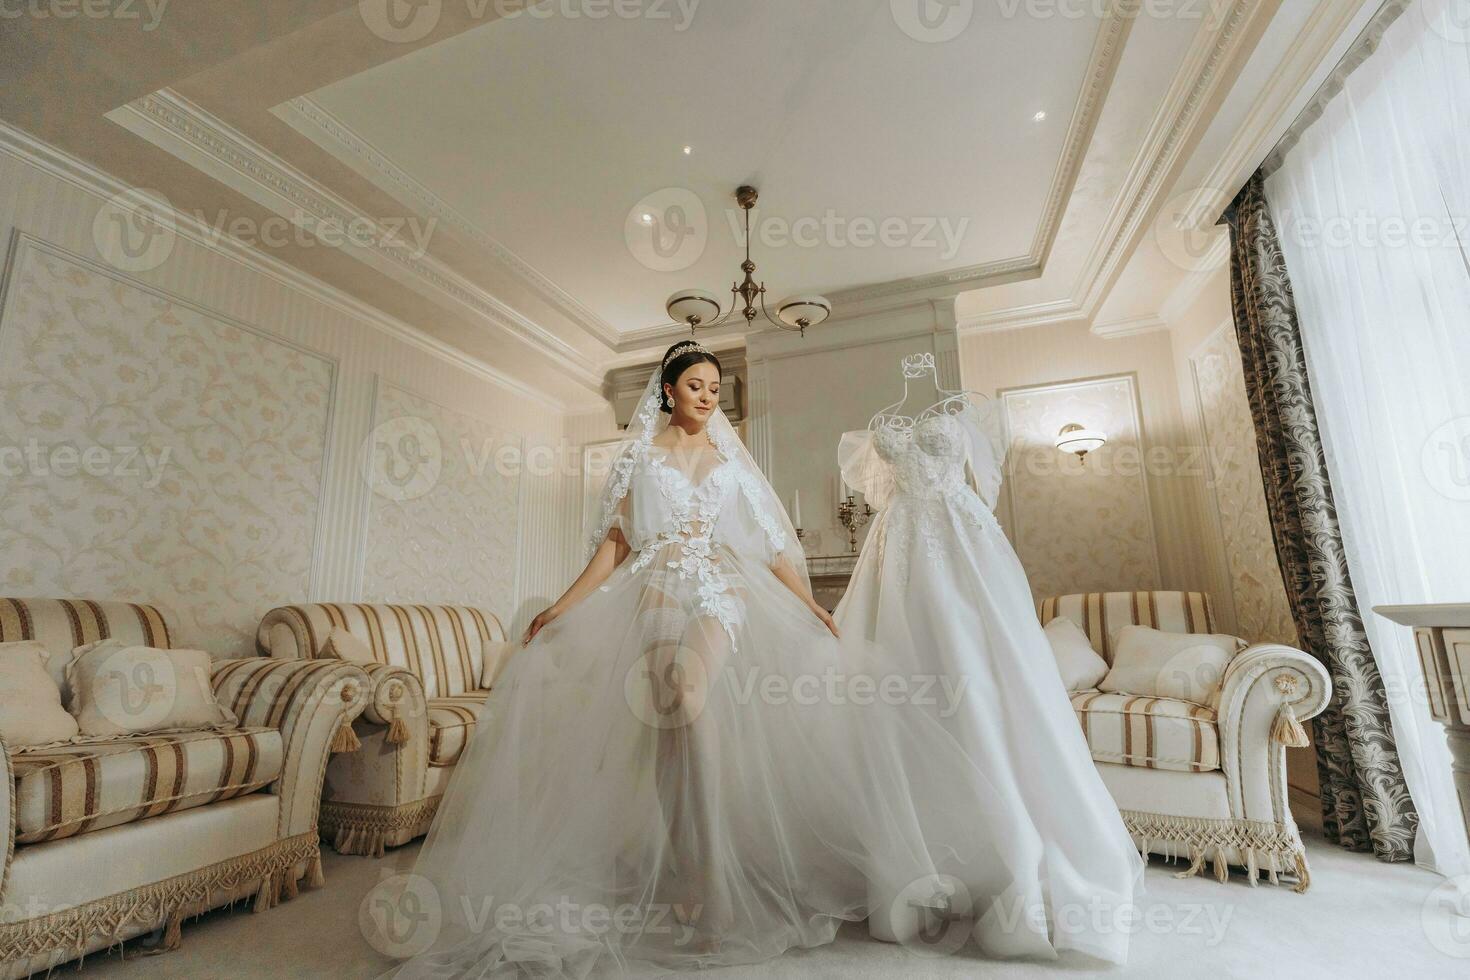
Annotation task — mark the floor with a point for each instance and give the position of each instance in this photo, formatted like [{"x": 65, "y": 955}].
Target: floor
[{"x": 1361, "y": 918}]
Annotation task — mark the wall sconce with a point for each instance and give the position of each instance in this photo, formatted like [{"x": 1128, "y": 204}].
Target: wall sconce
[{"x": 1075, "y": 439}]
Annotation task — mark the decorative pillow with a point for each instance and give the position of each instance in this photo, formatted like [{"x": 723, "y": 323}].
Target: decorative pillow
[
  {"x": 1079, "y": 663},
  {"x": 341, "y": 644},
  {"x": 494, "y": 658},
  {"x": 117, "y": 689},
  {"x": 1182, "y": 666},
  {"x": 30, "y": 699}
]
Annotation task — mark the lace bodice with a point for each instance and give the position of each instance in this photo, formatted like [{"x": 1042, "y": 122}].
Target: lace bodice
[
  {"x": 932, "y": 476},
  {"x": 683, "y": 518},
  {"x": 926, "y": 456}
]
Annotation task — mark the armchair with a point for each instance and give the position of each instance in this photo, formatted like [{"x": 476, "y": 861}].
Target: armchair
[
  {"x": 1206, "y": 780},
  {"x": 424, "y": 698}
]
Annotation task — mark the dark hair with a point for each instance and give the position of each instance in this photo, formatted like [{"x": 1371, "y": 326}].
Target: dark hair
[{"x": 677, "y": 365}]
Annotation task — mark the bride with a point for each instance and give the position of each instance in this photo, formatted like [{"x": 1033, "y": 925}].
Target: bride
[{"x": 686, "y": 766}]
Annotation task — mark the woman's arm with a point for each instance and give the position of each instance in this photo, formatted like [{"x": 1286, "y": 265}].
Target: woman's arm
[
  {"x": 609, "y": 555},
  {"x": 786, "y": 572}
]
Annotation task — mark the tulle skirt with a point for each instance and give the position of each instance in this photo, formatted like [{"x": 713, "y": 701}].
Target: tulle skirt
[
  {"x": 938, "y": 579},
  {"x": 687, "y": 771}
]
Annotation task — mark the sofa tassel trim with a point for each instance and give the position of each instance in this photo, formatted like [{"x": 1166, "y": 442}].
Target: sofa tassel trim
[
  {"x": 1287, "y": 730},
  {"x": 346, "y": 739},
  {"x": 1257, "y": 841},
  {"x": 366, "y": 830},
  {"x": 161, "y": 903},
  {"x": 397, "y": 730}
]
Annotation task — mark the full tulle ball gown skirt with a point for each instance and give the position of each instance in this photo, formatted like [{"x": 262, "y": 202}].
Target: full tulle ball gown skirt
[
  {"x": 937, "y": 577},
  {"x": 687, "y": 769}
]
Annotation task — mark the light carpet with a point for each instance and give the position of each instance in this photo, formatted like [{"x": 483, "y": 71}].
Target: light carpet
[{"x": 1361, "y": 918}]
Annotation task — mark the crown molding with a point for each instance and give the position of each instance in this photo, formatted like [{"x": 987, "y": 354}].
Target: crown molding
[
  {"x": 79, "y": 173},
  {"x": 1195, "y": 85},
  {"x": 186, "y": 131},
  {"x": 1130, "y": 326},
  {"x": 1273, "y": 111},
  {"x": 314, "y": 121},
  {"x": 1175, "y": 128}
]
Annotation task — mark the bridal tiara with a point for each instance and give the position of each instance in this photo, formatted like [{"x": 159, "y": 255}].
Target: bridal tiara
[{"x": 685, "y": 348}]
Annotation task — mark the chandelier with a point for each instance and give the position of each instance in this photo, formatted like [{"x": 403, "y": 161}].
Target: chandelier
[{"x": 702, "y": 309}]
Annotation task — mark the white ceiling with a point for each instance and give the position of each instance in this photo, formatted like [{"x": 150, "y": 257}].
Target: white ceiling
[
  {"x": 546, "y": 132},
  {"x": 532, "y": 140}
]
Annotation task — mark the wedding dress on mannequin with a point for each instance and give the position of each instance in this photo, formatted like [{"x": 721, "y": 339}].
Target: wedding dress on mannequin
[
  {"x": 671, "y": 775},
  {"x": 937, "y": 577}
]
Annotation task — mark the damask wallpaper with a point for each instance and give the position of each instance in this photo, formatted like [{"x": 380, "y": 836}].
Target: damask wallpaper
[
  {"x": 1261, "y": 608},
  {"x": 1078, "y": 527},
  {"x": 151, "y": 450},
  {"x": 443, "y": 521}
]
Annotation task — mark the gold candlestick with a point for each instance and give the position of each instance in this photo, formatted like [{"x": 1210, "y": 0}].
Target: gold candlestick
[{"x": 852, "y": 519}]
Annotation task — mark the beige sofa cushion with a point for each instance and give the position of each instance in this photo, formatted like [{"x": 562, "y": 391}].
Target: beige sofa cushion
[
  {"x": 1080, "y": 665},
  {"x": 344, "y": 645},
  {"x": 495, "y": 656},
  {"x": 1153, "y": 733},
  {"x": 30, "y": 698},
  {"x": 1183, "y": 666},
  {"x": 120, "y": 689},
  {"x": 86, "y": 786},
  {"x": 452, "y": 724}
]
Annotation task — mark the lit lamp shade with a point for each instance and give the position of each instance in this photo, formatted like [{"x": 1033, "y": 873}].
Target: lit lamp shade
[
  {"x": 693, "y": 306},
  {"x": 1075, "y": 439},
  {"x": 803, "y": 311}
]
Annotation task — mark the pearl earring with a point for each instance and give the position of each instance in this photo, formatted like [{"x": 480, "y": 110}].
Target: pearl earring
[{"x": 670, "y": 400}]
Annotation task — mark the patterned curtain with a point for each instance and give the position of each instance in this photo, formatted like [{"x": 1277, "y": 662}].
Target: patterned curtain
[{"x": 1365, "y": 801}]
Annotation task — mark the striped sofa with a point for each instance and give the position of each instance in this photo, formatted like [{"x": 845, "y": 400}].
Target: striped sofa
[
  {"x": 1206, "y": 780},
  {"x": 112, "y": 838},
  {"x": 423, "y": 704}
]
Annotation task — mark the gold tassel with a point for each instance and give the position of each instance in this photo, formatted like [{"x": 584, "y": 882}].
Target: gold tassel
[
  {"x": 1222, "y": 870},
  {"x": 397, "y": 730},
  {"x": 288, "y": 885},
  {"x": 1287, "y": 730},
  {"x": 265, "y": 895},
  {"x": 346, "y": 739},
  {"x": 1304, "y": 878},
  {"x": 173, "y": 934},
  {"x": 1196, "y": 862},
  {"x": 314, "y": 876},
  {"x": 1251, "y": 868}
]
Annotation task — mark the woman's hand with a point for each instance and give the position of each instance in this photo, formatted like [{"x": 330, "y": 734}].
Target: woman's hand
[
  {"x": 543, "y": 619},
  {"x": 826, "y": 619}
]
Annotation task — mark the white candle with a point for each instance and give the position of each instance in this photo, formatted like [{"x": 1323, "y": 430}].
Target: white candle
[
  {"x": 796, "y": 508},
  {"x": 839, "y": 491}
]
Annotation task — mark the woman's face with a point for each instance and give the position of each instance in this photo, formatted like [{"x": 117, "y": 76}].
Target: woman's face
[{"x": 697, "y": 392}]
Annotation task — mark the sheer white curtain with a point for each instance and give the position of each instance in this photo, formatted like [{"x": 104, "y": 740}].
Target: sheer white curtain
[{"x": 1368, "y": 206}]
